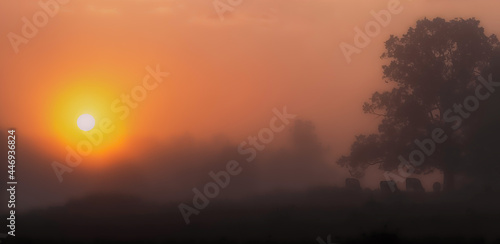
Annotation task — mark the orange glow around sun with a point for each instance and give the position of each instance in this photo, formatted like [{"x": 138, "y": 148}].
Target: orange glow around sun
[{"x": 86, "y": 96}]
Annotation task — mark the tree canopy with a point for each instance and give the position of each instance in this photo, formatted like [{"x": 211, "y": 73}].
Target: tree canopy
[{"x": 430, "y": 69}]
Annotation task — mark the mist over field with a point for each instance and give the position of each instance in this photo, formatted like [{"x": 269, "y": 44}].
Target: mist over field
[{"x": 249, "y": 121}]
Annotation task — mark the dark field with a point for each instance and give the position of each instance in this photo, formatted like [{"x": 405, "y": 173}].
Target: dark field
[{"x": 280, "y": 217}]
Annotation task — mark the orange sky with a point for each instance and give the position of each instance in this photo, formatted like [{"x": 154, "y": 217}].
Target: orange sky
[{"x": 225, "y": 77}]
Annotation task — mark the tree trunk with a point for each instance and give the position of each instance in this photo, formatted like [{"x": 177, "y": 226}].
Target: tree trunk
[{"x": 448, "y": 180}]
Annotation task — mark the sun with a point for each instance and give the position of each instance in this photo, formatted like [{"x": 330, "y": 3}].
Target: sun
[
  {"x": 79, "y": 114},
  {"x": 85, "y": 122}
]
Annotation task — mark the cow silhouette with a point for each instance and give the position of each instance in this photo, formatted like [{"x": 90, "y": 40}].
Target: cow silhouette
[
  {"x": 436, "y": 187},
  {"x": 352, "y": 184},
  {"x": 414, "y": 185},
  {"x": 388, "y": 186}
]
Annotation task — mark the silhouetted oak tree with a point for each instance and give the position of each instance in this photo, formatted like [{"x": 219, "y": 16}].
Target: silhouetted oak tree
[{"x": 431, "y": 69}]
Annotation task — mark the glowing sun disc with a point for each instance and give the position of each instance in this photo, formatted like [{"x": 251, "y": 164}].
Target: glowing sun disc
[{"x": 85, "y": 122}]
